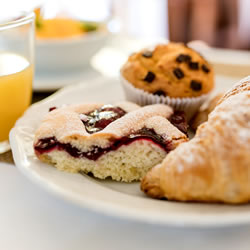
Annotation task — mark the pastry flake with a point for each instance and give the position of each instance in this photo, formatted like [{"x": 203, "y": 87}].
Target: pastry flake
[{"x": 215, "y": 165}]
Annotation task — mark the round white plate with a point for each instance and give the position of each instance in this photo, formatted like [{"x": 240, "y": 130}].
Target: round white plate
[{"x": 109, "y": 197}]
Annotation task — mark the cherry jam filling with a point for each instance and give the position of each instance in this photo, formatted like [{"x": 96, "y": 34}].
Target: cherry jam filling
[
  {"x": 98, "y": 119},
  {"x": 178, "y": 119},
  {"x": 48, "y": 144}
]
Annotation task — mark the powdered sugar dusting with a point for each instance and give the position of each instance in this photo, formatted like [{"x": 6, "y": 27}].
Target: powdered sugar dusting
[
  {"x": 214, "y": 165},
  {"x": 164, "y": 128},
  {"x": 136, "y": 119},
  {"x": 226, "y": 132},
  {"x": 66, "y": 124}
]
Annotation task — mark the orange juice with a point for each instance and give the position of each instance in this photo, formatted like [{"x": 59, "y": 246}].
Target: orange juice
[{"x": 16, "y": 74}]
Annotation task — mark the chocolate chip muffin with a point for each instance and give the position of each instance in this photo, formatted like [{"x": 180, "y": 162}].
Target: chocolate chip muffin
[{"x": 172, "y": 70}]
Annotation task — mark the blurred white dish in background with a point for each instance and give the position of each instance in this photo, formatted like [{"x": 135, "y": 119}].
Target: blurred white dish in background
[
  {"x": 106, "y": 61},
  {"x": 67, "y": 54}
]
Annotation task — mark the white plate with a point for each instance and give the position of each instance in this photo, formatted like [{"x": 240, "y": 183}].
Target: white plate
[{"x": 109, "y": 197}]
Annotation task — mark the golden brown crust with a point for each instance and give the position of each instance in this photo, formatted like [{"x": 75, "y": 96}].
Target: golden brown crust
[
  {"x": 163, "y": 63},
  {"x": 215, "y": 165},
  {"x": 151, "y": 184}
]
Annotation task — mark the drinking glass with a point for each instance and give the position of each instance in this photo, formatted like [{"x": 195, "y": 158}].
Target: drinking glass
[{"x": 16, "y": 71}]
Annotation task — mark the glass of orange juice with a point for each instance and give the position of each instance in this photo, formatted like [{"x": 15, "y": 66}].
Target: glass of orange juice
[{"x": 16, "y": 71}]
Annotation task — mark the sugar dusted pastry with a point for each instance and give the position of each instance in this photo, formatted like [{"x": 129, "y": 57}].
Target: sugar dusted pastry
[
  {"x": 122, "y": 141},
  {"x": 215, "y": 165}
]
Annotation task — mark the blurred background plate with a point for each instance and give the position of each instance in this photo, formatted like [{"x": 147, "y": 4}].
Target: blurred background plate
[{"x": 69, "y": 54}]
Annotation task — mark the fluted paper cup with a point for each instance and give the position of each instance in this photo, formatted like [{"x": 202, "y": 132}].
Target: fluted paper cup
[{"x": 189, "y": 105}]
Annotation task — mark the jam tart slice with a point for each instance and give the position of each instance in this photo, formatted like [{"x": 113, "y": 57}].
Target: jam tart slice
[{"x": 122, "y": 141}]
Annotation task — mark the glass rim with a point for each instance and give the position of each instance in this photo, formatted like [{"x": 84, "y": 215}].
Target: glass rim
[{"x": 25, "y": 17}]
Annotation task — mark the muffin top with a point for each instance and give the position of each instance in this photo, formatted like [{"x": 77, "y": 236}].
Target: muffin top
[{"x": 172, "y": 69}]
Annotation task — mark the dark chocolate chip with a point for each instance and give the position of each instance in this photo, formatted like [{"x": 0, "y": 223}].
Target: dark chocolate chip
[
  {"x": 195, "y": 85},
  {"x": 205, "y": 68},
  {"x": 149, "y": 77},
  {"x": 193, "y": 65},
  {"x": 188, "y": 58},
  {"x": 183, "y": 58},
  {"x": 164, "y": 198},
  {"x": 52, "y": 108},
  {"x": 147, "y": 54},
  {"x": 178, "y": 73},
  {"x": 160, "y": 92}
]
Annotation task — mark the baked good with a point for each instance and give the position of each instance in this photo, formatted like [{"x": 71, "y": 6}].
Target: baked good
[
  {"x": 172, "y": 70},
  {"x": 215, "y": 165},
  {"x": 122, "y": 141},
  {"x": 206, "y": 108}
]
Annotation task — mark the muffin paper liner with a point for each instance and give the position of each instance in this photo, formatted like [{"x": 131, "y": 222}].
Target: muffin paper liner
[{"x": 189, "y": 105}]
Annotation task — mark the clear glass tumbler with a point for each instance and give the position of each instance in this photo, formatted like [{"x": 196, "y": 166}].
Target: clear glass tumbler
[{"x": 16, "y": 71}]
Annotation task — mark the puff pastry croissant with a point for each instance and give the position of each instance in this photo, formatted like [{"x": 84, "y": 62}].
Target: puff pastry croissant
[{"x": 215, "y": 165}]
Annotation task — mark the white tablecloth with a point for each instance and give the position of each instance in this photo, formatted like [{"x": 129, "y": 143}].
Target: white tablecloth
[{"x": 32, "y": 219}]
